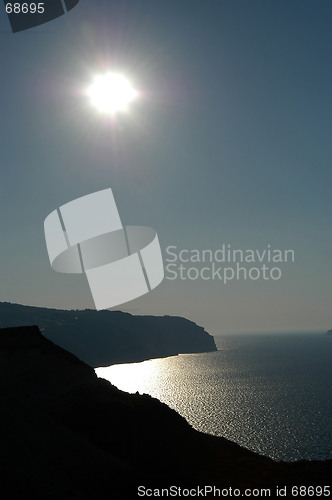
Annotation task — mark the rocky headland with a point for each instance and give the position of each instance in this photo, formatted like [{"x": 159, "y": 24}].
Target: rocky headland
[{"x": 102, "y": 338}]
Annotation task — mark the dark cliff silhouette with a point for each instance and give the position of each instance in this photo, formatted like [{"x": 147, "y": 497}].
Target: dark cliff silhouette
[
  {"x": 67, "y": 434},
  {"x": 329, "y": 332},
  {"x": 101, "y": 338}
]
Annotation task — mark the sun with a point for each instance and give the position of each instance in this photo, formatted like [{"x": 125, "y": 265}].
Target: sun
[{"x": 111, "y": 93}]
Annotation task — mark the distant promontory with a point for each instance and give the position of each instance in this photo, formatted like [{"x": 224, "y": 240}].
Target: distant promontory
[
  {"x": 329, "y": 332},
  {"x": 102, "y": 338}
]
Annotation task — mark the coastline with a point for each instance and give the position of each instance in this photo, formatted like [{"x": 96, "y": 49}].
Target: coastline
[
  {"x": 272, "y": 385},
  {"x": 93, "y": 438}
]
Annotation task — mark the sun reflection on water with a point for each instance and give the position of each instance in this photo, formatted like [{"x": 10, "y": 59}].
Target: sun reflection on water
[
  {"x": 176, "y": 381},
  {"x": 144, "y": 377},
  {"x": 248, "y": 392}
]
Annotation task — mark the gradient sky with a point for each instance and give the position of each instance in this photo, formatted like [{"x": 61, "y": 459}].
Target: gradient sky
[{"x": 229, "y": 142}]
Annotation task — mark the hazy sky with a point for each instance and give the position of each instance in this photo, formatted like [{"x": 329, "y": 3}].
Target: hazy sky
[{"x": 229, "y": 143}]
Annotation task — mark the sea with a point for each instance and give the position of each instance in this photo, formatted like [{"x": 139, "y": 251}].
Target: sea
[{"x": 271, "y": 393}]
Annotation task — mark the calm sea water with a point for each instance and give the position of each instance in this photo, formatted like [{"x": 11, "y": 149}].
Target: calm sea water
[{"x": 271, "y": 393}]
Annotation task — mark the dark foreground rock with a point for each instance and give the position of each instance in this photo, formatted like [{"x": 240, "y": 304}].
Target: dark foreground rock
[
  {"x": 66, "y": 434},
  {"x": 101, "y": 338}
]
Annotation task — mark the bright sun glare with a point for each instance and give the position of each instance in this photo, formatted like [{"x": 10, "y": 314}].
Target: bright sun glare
[{"x": 111, "y": 93}]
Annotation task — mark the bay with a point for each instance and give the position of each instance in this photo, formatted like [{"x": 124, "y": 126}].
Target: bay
[{"x": 268, "y": 392}]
